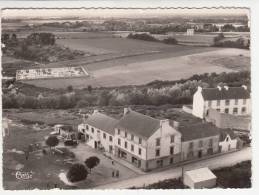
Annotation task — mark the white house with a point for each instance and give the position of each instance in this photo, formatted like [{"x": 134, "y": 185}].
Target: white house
[
  {"x": 228, "y": 140},
  {"x": 199, "y": 178},
  {"x": 147, "y": 142},
  {"x": 230, "y": 100},
  {"x": 98, "y": 131}
]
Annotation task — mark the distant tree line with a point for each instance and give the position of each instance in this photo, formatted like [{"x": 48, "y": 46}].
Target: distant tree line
[
  {"x": 147, "y": 37},
  {"x": 155, "y": 93}
]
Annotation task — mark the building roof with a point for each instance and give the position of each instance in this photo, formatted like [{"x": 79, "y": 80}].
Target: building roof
[
  {"x": 225, "y": 132},
  {"x": 202, "y": 174},
  {"x": 102, "y": 122},
  {"x": 230, "y": 93},
  {"x": 197, "y": 131},
  {"x": 139, "y": 124}
]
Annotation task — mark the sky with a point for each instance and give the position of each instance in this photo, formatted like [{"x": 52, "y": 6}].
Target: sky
[{"x": 87, "y": 13}]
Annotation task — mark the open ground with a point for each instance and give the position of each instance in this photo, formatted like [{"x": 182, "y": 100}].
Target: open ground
[{"x": 171, "y": 66}]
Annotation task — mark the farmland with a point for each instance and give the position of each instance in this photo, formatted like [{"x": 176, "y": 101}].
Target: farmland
[{"x": 121, "y": 72}]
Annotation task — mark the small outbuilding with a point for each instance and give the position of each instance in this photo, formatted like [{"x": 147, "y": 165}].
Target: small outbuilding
[{"x": 200, "y": 178}]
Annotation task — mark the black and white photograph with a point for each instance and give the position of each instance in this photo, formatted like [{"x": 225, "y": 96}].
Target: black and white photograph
[{"x": 126, "y": 98}]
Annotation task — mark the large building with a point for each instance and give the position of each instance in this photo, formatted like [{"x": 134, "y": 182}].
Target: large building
[
  {"x": 147, "y": 142},
  {"x": 199, "y": 140},
  {"x": 98, "y": 131},
  {"x": 230, "y": 100}
]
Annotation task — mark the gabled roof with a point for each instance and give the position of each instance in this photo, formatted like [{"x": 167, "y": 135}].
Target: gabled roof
[
  {"x": 139, "y": 124},
  {"x": 230, "y": 93},
  {"x": 198, "y": 131},
  {"x": 225, "y": 132},
  {"x": 102, "y": 122}
]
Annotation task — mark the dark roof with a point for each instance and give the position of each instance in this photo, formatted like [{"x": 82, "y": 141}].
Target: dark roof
[
  {"x": 102, "y": 122},
  {"x": 231, "y": 93},
  {"x": 139, "y": 124},
  {"x": 225, "y": 132},
  {"x": 197, "y": 131}
]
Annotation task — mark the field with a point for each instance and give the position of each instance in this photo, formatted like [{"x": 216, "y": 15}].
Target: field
[{"x": 169, "y": 67}]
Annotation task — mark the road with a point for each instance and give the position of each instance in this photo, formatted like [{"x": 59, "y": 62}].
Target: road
[{"x": 212, "y": 163}]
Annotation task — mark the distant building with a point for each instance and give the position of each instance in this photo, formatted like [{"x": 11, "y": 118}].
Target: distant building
[
  {"x": 199, "y": 140},
  {"x": 67, "y": 132},
  {"x": 98, "y": 131},
  {"x": 190, "y": 32},
  {"x": 199, "y": 178},
  {"x": 230, "y": 100},
  {"x": 146, "y": 142}
]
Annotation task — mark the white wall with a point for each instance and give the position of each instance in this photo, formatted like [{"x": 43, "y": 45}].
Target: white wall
[
  {"x": 198, "y": 104},
  {"x": 164, "y": 133},
  {"x": 225, "y": 144}
]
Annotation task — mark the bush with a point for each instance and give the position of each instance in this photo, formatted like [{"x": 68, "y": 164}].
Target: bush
[
  {"x": 170, "y": 40},
  {"x": 143, "y": 37},
  {"x": 77, "y": 173},
  {"x": 70, "y": 143}
]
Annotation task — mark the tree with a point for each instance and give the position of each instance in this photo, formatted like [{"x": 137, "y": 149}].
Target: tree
[
  {"x": 89, "y": 88},
  {"x": 70, "y": 88},
  {"x": 52, "y": 141},
  {"x": 170, "y": 40},
  {"x": 77, "y": 173},
  {"x": 92, "y": 162}
]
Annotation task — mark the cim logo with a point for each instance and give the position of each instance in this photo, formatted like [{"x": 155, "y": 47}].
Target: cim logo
[{"x": 23, "y": 175}]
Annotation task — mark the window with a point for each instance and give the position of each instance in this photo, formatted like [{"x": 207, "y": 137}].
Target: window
[
  {"x": 171, "y": 160},
  {"x": 140, "y": 141},
  {"x": 191, "y": 145},
  {"x": 227, "y": 102},
  {"x": 139, "y": 151},
  {"x": 226, "y": 110},
  {"x": 200, "y": 143},
  {"x": 125, "y": 144},
  {"x": 119, "y": 131},
  {"x": 104, "y": 135},
  {"x": 87, "y": 127},
  {"x": 110, "y": 138},
  {"x": 171, "y": 150},
  {"x": 92, "y": 130},
  {"x": 227, "y": 139},
  {"x": 210, "y": 142},
  {"x": 244, "y": 101},
  {"x": 83, "y": 130},
  {"x": 157, "y": 141},
  {"x": 218, "y": 110},
  {"x": 98, "y": 131},
  {"x": 119, "y": 142},
  {"x": 172, "y": 139},
  {"x": 218, "y": 102},
  {"x": 132, "y": 137},
  {"x": 126, "y": 134},
  {"x": 236, "y": 101},
  {"x": 209, "y": 103},
  {"x": 132, "y": 148},
  {"x": 157, "y": 152},
  {"x": 235, "y": 110},
  {"x": 243, "y": 110}
]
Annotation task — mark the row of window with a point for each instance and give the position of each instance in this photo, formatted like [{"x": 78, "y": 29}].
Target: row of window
[
  {"x": 158, "y": 140},
  {"x": 201, "y": 144},
  {"x": 227, "y": 102},
  {"x": 131, "y": 148},
  {"x": 171, "y": 151},
  {"x": 104, "y": 134},
  {"x": 235, "y": 110},
  {"x": 131, "y": 136}
]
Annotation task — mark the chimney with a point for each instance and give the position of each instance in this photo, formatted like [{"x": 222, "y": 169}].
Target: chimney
[
  {"x": 226, "y": 87},
  {"x": 199, "y": 88},
  {"x": 95, "y": 111},
  {"x": 164, "y": 121},
  {"x": 245, "y": 87},
  {"x": 126, "y": 111},
  {"x": 219, "y": 88}
]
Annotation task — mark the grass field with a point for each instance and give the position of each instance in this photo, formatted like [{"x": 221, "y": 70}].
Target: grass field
[{"x": 123, "y": 72}]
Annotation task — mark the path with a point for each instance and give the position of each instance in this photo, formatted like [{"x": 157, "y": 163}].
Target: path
[{"x": 217, "y": 162}]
